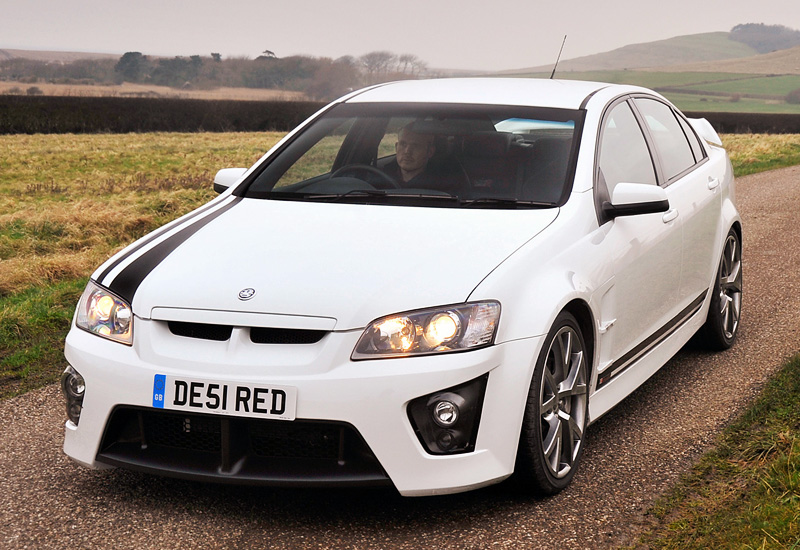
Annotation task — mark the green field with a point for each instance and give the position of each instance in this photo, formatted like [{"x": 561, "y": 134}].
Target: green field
[
  {"x": 717, "y": 104},
  {"x": 777, "y": 86},
  {"x": 724, "y": 92}
]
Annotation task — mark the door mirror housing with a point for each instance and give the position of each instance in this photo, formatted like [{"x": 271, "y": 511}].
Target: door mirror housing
[
  {"x": 227, "y": 177},
  {"x": 634, "y": 199}
]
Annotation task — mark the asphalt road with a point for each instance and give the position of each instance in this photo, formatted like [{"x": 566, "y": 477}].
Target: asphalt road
[{"x": 634, "y": 453}]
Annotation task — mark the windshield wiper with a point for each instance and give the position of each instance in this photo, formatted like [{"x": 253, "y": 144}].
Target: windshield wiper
[
  {"x": 495, "y": 202},
  {"x": 382, "y": 196},
  {"x": 334, "y": 197},
  {"x": 401, "y": 198}
]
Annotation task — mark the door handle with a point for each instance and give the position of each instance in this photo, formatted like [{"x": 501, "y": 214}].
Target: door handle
[
  {"x": 713, "y": 183},
  {"x": 669, "y": 215}
]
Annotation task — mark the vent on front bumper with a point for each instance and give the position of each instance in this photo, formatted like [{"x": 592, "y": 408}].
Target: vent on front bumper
[
  {"x": 258, "y": 335},
  {"x": 239, "y": 450}
]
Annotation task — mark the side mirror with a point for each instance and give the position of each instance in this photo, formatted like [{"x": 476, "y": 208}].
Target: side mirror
[
  {"x": 634, "y": 199},
  {"x": 226, "y": 177}
]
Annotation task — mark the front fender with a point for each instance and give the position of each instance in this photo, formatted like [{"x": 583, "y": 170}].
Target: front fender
[{"x": 540, "y": 279}]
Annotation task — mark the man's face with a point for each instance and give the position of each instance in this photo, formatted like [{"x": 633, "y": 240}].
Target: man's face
[{"x": 413, "y": 150}]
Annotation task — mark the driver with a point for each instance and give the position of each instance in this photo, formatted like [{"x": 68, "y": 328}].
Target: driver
[{"x": 413, "y": 150}]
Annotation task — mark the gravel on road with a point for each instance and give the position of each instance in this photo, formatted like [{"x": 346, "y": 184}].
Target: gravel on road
[{"x": 634, "y": 453}]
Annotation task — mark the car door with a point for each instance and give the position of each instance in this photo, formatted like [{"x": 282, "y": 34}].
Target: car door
[
  {"x": 644, "y": 250},
  {"x": 693, "y": 192}
]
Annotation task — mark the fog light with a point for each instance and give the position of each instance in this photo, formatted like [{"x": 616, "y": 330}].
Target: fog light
[
  {"x": 445, "y": 413},
  {"x": 73, "y": 387},
  {"x": 446, "y": 422}
]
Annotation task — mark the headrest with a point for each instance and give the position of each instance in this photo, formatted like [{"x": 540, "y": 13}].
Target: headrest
[{"x": 488, "y": 144}]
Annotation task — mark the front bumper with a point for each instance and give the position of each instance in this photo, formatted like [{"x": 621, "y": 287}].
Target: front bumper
[{"x": 366, "y": 401}]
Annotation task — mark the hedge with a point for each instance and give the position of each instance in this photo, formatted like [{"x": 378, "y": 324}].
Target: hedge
[
  {"x": 59, "y": 115},
  {"x": 751, "y": 123}
]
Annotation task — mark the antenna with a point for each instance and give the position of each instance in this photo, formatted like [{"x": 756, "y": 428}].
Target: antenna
[{"x": 559, "y": 57}]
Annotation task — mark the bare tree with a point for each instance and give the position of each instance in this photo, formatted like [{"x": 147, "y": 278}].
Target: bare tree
[
  {"x": 406, "y": 61},
  {"x": 378, "y": 63},
  {"x": 411, "y": 64}
]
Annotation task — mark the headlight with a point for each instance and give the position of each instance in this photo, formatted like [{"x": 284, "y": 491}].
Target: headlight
[
  {"x": 435, "y": 330},
  {"x": 101, "y": 312}
]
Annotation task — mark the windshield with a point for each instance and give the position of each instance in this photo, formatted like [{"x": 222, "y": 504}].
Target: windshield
[{"x": 427, "y": 155}]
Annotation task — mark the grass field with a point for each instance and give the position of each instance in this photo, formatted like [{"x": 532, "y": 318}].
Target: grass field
[
  {"x": 723, "y": 104},
  {"x": 758, "y": 85},
  {"x": 67, "y": 202},
  {"x": 726, "y": 92},
  {"x": 128, "y": 89}
]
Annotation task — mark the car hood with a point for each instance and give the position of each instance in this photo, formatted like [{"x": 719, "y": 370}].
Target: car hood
[{"x": 346, "y": 264}]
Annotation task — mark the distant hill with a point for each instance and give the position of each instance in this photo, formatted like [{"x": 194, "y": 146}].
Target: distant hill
[
  {"x": 691, "y": 48},
  {"x": 766, "y": 38},
  {"x": 775, "y": 63},
  {"x": 54, "y": 57}
]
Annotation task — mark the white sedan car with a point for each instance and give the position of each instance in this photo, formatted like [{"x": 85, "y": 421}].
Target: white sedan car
[{"x": 429, "y": 284}]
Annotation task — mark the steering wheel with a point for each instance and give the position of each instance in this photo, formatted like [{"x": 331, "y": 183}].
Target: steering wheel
[{"x": 356, "y": 168}]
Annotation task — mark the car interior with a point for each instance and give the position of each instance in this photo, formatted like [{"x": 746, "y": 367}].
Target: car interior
[{"x": 475, "y": 159}]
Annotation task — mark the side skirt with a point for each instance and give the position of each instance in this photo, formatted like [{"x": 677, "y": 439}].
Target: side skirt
[{"x": 625, "y": 362}]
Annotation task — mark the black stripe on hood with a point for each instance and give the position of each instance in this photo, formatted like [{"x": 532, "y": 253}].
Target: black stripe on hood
[
  {"x": 127, "y": 282},
  {"x": 147, "y": 239}
]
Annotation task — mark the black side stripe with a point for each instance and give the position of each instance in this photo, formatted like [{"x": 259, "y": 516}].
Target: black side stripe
[
  {"x": 127, "y": 282},
  {"x": 627, "y": 360},
  {"x": 144, "y": 241}
]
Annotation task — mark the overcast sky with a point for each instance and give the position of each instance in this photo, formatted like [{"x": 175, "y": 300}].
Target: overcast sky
[{"x": 462, "y": 34}]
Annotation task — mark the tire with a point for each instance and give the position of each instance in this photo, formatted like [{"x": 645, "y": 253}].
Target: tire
[
  {"x": 554, "y": 426},
  {"x": 722, "y": 324}
]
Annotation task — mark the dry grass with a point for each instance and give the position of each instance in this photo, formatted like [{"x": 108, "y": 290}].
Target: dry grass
[
  {"x": 751, "y": 153},
  {"x": 68, "y": 202},
  {"x": 128, "y": 89}
]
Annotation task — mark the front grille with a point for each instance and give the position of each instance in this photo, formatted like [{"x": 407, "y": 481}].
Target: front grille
[
  {"x": 200, "y": 433},
  {"x": 203, "y": 331},
  {"x": 258, "y": 335},
  {"x": 287, "y": 440},
  {"x": 239, "y": 450},
  {"x": 285, "y": 336}
]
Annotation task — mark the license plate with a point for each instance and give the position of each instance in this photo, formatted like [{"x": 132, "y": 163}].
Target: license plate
[{"x": 235, "y": 399}]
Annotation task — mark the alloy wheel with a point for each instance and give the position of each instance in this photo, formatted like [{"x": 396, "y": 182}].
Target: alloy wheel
[{"x": 562, "y": 398}]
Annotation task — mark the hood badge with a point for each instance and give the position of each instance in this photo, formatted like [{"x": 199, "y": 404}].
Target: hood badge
[{"x": 247, "y": 293}]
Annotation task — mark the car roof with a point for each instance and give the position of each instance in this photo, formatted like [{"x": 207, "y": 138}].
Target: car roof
[{"x": 535, "y": 92}]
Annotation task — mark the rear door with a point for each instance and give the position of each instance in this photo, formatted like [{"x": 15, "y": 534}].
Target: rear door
[{"x": 693, "y": 189}]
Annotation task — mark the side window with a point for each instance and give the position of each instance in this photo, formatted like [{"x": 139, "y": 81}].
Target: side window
[
  {"x": 319, "y": 159},
  {"x": 694, "y": 142},
  {"x": 670, "y": 140},
  {"x": 624, "y": 155}
]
